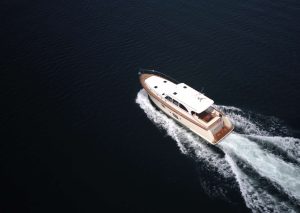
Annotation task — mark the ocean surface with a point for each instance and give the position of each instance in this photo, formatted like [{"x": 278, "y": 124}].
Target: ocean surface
[{"x": 78, "y": 133}]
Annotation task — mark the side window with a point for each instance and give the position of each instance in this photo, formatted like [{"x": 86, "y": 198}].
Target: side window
[
  {"x": 183, "y": 107},
  {"x": 175, "y": 102},
  {"x": 169, "y": 98}
]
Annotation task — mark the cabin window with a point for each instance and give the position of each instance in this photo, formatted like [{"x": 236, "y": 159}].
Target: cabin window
[
  {"x": 175, "y": 102},
  {"x": 165, "y": 81},
  {"x": 169, "y": 98},
  {"x": 155, "y": 87},
  {"x": 183, "y": 107},
  {"x": 175, "y": 93},
  {"x": 184, "y": 87}
]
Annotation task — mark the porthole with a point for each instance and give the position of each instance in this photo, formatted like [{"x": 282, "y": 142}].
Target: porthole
[
  {"x": 175, "y": 93},
  {"x": 155, "y": 87}
]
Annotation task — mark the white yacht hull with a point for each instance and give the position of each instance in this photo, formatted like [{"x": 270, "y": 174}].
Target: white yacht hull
[{"x": 213, "y": 132}]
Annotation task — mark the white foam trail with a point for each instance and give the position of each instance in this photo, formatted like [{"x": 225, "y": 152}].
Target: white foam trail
[
  {"x": 268, "y": 165},
  {"x": 289, "y": 145},
  {"x": 255, "y": 197},
  {"x": 287, "y": 175}
]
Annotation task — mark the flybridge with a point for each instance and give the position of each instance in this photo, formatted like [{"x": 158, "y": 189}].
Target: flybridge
[{"x": 181, "y": 92}]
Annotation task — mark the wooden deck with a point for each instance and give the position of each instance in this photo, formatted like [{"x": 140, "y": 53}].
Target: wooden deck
[
  {"x": 222, "y": 133},
  {"x": 143, "y": 77}
]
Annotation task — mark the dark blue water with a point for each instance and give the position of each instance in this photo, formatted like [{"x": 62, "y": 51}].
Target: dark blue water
[{"x": 73, "y": 137}]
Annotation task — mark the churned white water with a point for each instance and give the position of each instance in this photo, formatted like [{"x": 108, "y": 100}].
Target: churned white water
[{"x": 246, "y": 148}]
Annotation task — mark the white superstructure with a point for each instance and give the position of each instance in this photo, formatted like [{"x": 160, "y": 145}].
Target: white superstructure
[{"x": 189, "y": 97}]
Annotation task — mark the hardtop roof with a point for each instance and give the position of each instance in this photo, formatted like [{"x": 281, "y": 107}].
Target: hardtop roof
[{"x": 181, "y": 92}]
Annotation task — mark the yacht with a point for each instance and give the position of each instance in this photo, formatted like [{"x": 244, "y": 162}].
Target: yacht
[{"x": 186, "y": 105}]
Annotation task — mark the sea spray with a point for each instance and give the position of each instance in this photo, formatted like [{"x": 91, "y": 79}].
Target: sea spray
[
  {"x": 235, "y": 147},
  {"x": 256, "y": 198},
  {"x": 265, "y": 163}
]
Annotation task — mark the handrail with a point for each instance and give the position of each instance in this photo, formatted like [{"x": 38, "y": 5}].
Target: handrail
[{"x": 147, "y": 71}]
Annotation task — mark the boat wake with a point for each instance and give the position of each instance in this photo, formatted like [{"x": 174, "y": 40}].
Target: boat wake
[{"x": 264, "y": 168}]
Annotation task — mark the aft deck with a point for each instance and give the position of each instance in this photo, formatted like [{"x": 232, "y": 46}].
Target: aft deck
[{"x": 222, "y": 133}]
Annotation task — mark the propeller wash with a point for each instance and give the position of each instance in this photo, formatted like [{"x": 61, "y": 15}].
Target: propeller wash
[{"x": 265, "y": 168}]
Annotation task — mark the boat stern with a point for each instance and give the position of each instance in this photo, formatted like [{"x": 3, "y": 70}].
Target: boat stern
[{"x": 226, "y": 129}]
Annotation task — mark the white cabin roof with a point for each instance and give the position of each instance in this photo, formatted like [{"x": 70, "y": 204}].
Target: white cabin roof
[{"x": 181, "y": 92}]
